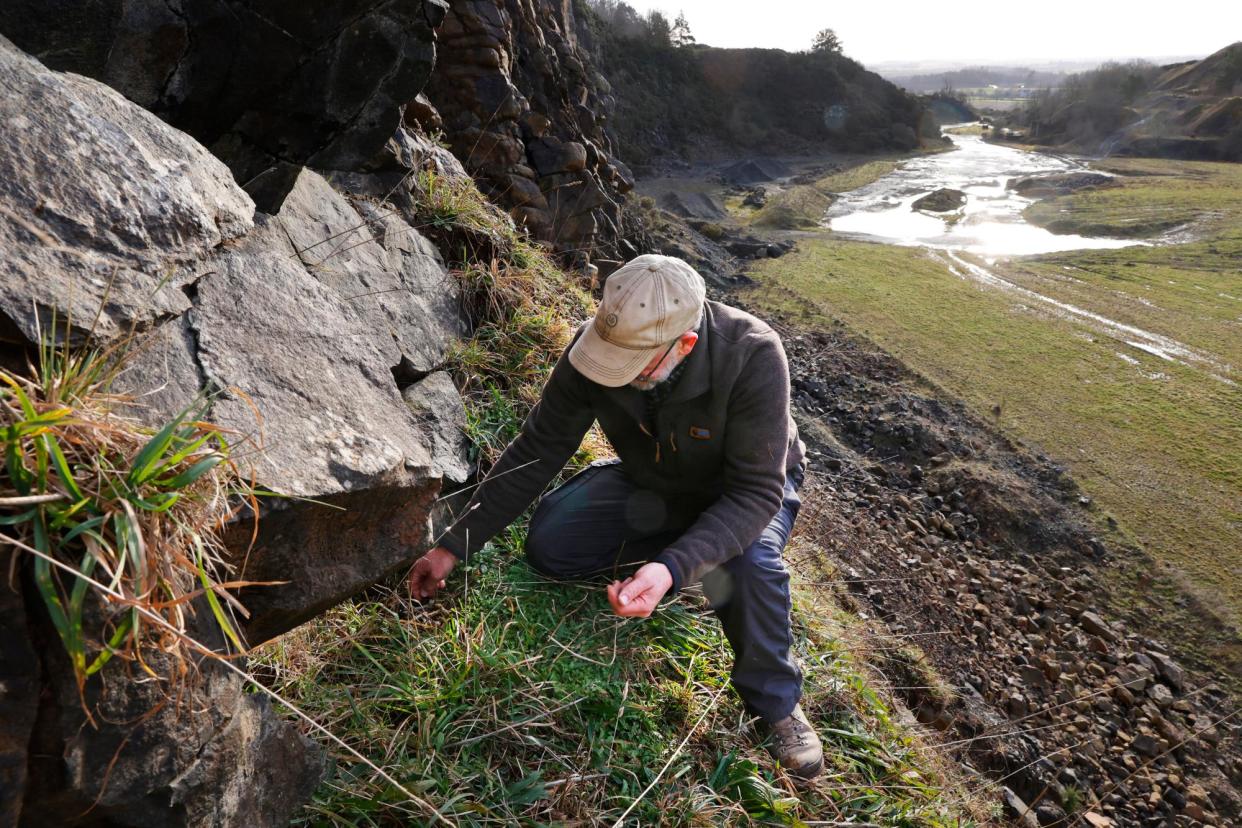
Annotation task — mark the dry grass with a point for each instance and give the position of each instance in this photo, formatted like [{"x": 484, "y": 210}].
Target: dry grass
[{"x": 130, "y": 513}]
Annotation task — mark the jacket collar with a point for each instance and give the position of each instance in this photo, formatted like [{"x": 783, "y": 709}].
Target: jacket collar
[{"x": 697, "y": 378}]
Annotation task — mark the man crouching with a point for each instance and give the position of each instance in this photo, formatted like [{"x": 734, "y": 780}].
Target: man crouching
[{"x": 694, "y": 398}]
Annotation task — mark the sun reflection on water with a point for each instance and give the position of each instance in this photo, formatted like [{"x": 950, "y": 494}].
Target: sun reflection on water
[{"x": 990, "y": 223}]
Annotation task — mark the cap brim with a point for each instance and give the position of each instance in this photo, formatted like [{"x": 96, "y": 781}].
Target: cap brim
[{"x": 609, "y": 365}]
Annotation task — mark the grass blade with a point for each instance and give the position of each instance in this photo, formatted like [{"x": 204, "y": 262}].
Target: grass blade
[
  {"x": 23, "y": 517},
  {"x": 119, "y": 635},
  {"x": 23, "y": 399},
  {"x": 145, "y": 463},
  {"x": 193, "y": 473},
  {"x": 51, "y": 595},
  {"x": 63, "y": 471},
  {"x": 212, "y": 600}
]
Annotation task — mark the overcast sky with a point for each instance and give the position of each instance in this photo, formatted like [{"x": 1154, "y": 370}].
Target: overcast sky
[{"x": 969, "y": 31}]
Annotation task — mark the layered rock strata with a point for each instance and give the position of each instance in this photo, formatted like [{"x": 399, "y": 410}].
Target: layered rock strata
[{"x": 525, "y": 111}]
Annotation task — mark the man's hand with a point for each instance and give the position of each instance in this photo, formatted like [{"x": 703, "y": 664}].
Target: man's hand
[
  {"x": 427, "y": 576},
  {"x": 637, "y": 596}
]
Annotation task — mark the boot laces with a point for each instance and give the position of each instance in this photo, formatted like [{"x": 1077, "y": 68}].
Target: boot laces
[{"x": 791, "y": 733}]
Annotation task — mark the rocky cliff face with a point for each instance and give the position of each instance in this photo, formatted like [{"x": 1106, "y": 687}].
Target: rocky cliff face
[
  {"x": 320, "y": 330},
  {"x": 266, "y": 85},
  {"x": 538, "y": 99},
  {"x": 525, "y": 110}
]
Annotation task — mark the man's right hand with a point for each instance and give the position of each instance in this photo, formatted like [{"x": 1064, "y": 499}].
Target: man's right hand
[{"x": 427, "y": 576}]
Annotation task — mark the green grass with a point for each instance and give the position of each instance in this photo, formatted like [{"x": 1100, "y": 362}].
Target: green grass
[
  {"x": 1158, "y": 444},
  {"x": 1158, "y": 195},
  {"x": 521, "y": 701},
  {"x": 1189, "y": 292}
]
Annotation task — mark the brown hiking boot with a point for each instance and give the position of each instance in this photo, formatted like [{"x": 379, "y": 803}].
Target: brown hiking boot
[{"x": 793, "y": 742}]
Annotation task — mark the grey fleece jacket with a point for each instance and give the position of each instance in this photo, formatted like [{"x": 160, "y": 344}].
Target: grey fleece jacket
[{"x": 723, "y": 441}]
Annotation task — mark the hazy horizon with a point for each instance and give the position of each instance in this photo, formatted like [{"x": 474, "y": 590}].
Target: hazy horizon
[{"x": 975, "y": 32}]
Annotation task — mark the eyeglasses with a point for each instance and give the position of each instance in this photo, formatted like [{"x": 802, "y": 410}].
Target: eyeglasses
[{"x": 645, "y": 376}]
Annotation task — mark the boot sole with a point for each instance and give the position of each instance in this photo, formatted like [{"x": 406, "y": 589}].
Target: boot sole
[{"x": 808, "y": 772}]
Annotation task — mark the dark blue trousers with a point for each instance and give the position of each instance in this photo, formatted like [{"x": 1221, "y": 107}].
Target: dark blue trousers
[{"x": 599, "y": 521}]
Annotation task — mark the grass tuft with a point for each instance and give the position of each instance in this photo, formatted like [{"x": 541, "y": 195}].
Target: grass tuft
[{"x": 135, "y": 509}]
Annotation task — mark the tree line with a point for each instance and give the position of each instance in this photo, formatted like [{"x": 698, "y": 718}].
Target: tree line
[
  {"x": 1090, "y": 105},
  {"x": 626, "y": 22}
]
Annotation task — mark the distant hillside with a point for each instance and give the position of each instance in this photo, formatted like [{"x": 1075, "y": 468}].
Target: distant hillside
[
  {"x": 949, "y": 108},
  {"x": 675, "y": 98},
  {"x": 1190, "y": 110},
  {"x": 978, "y": 76}
]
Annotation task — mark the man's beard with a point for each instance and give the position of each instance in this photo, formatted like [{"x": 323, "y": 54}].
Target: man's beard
[{"x": 665, "y": 373}]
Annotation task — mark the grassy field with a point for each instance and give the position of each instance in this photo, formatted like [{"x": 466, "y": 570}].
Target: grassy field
[
  {"x": 1158, "y": 195},
  {"x": 1157, "y": 443}
]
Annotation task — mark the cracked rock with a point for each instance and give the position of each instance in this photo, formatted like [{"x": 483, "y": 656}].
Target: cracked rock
[
  {"x": 100, "y": 199},
  {"x": 267, "y": 85}
]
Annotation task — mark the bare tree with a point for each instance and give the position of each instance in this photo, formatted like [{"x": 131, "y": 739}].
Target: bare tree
[
  {"x": 826, "y": 41},
  {"x": 681, "y": 35}
]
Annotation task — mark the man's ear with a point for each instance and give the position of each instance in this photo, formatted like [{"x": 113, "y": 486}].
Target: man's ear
[{"x": 688, "y": 340}]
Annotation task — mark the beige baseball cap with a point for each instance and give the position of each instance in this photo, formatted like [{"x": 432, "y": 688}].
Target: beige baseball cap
[{"x": 647, "y": 303}]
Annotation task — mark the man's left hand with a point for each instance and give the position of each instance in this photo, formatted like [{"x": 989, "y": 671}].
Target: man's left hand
[{"x": 637, "y": 596}]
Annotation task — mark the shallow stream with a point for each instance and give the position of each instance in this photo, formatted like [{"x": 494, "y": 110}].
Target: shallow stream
[
  {"x": 990, "y": 224},
  {"x": 990, "y": 227}
]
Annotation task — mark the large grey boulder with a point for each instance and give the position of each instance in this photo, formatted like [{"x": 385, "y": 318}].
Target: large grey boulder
[
  {"x": 303, "y": 328},
  {"x": 302, "y": 344},
  {"x": 943, "y": 200},
  {"x": 268, "y": 85},
  {"x": 305, "y": 331},
  {"x": 99, "y": 199}
]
